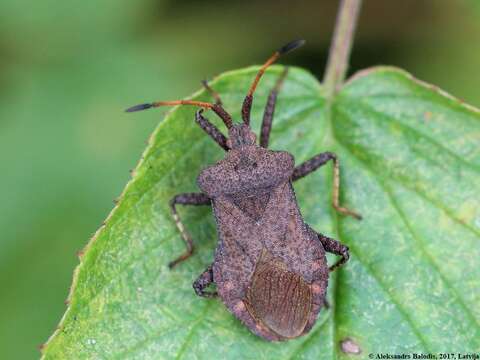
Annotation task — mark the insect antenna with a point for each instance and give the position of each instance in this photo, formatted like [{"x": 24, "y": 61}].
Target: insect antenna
[
  {"x": 247, "y": 103},
  {"x": 217, "y": 108}
]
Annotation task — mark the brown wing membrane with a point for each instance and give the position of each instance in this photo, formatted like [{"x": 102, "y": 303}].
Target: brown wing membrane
[{"x": 277, "y": 298}]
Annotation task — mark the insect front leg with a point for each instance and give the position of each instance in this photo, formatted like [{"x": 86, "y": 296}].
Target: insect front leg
[
  {"x": 212, "y": 92},
  {"x": 202, "y": 282},
  {"x": 335, "y": 247},
  {"x": 313, "y": 164},
  {"x": 185, "y": 199},
  {"x": 211, "y": 130},
  {"x": 269, "y": 111}
]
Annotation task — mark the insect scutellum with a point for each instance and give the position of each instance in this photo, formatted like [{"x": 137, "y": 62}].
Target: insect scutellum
[{"x": 239, "y": 134}]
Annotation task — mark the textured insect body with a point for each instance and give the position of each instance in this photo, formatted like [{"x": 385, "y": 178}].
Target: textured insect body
[{"x": 269, "y": 266}]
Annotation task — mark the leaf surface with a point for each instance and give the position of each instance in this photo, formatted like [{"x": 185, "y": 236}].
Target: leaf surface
[{"x": 410, "y": 163}]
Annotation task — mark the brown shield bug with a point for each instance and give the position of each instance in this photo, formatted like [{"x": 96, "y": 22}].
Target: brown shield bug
[{"x": 270, "y": 266}]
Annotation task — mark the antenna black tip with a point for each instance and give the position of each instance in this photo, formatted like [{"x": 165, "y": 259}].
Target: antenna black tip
[
  {"x": 291, "y": 46},
  {"x": 139, "y": 107}
]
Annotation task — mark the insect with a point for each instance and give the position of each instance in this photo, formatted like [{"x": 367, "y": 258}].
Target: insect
[{"x": 269, "y": 266}]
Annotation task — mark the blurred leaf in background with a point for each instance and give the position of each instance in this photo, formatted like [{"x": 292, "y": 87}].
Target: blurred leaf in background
[{"x": 67, "y": 69}]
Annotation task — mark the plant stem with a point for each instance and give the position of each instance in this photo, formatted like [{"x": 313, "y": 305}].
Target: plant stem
[{"x": 341, "y": 45}]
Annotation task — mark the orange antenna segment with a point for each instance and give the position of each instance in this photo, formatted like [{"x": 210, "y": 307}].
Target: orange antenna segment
[
  {"x": 183, "y": 102},
  {"x": 219, "y": 110},
  {"x": 269, "y": 62},
  {"x": 166, "y": 103},
  {"x": 247, "y": 103}
]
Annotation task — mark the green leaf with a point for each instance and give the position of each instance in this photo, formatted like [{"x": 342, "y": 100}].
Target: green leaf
[{"x": 410, "y": 165}]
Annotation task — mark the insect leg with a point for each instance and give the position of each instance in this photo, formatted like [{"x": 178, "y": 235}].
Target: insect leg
[
  {"x": 211, "y": 130},
  {"x": 335, "y": 247},
  {"x": 212, "y": 92},
  {"x": 313, "y": 164},
  {"x": 269, "y": 111},
  {"x": 202, "y": 282},
  {"x": 185, "y": 199}
]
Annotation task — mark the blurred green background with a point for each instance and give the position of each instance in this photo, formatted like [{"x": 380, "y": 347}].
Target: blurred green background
[{"x": 68, "y": 69}]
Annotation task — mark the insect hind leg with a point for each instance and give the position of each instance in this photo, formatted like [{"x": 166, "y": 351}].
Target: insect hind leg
[
  {"x": 202, "y": 282},
  {"x": 335, "y": 247}
]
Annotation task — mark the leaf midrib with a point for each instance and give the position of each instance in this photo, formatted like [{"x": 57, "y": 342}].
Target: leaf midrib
[{"x": 400, "y": 310}]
